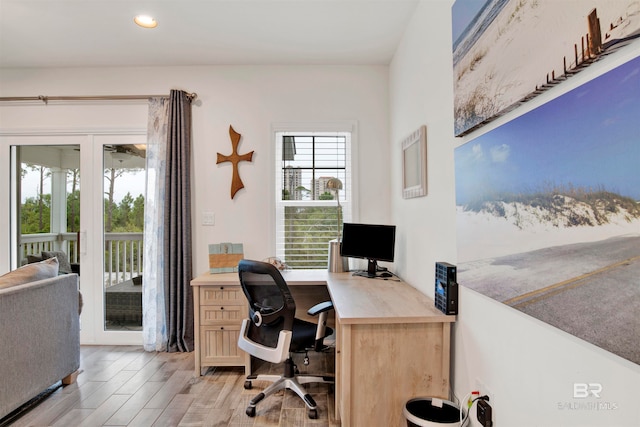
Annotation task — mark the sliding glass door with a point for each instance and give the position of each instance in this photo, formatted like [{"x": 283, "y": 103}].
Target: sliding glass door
[{"x": 81, "y": 198}]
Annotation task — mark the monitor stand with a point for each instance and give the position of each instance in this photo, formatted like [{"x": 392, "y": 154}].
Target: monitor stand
[{"x": 372, "y": 269}]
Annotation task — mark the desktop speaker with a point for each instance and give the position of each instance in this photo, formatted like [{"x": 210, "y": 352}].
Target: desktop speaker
[{"x": 446, "y": 289}]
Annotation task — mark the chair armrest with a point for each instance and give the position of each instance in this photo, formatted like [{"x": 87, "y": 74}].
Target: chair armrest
[
  {"x": 274, "y": 355},
  {"x": 320, "y": 308}
]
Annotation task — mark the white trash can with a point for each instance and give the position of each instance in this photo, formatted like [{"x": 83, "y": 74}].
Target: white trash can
[{"x": 431, "y": 412}]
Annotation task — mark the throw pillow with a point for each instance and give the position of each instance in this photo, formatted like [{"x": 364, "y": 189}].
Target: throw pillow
[
  {"x": 63, "y": 260},
  {"x": 30, "y": 273},
  {"x": 34, "y": 258}
]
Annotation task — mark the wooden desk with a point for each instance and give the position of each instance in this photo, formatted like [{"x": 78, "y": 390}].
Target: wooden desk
[{"x": 391, "y": 343}]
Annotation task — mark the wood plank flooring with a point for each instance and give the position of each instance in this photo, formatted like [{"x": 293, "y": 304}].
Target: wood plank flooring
[{"x": 126, "y": 386}]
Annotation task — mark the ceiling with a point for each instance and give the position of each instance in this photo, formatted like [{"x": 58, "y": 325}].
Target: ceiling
[{"x": 98, "y": 33}]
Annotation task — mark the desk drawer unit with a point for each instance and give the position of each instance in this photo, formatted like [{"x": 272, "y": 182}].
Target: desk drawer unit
[{"x": 220, "y": 313}]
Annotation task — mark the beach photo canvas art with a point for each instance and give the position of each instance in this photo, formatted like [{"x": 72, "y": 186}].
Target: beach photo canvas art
[
  {"x": 548, "y": 212},
  {"x": 506, "y": 52}
]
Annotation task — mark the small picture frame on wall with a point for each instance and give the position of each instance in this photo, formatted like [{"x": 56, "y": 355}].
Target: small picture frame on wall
[{"x": 414, "y": 164}]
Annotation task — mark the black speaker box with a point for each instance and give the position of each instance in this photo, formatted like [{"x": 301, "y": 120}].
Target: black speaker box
[{"x": 446, "y": 289}]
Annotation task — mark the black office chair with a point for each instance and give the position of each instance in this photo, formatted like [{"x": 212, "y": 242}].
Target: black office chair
[{"x": 272, "y": 332}]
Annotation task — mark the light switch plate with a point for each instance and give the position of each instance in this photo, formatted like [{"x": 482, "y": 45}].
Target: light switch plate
[{"x": 208, "y": 218}]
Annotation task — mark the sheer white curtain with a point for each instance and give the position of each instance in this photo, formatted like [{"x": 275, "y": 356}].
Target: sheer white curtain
[
  {"x": 154, "y": 325},
  {"x": 167, "y": 299}
]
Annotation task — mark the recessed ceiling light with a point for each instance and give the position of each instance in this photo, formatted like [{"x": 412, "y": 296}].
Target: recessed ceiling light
[{"x": 145, "y": 21}]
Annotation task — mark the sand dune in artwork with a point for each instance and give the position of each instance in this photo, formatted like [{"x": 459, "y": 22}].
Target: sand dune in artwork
[{"x": 484, "y": 235}]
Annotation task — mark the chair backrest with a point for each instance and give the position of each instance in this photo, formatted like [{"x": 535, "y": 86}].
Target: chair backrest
[{"x": 271, "y": 306}]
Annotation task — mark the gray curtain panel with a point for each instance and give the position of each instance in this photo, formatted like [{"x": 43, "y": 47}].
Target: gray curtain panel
[{"x": 177, "y": 226}]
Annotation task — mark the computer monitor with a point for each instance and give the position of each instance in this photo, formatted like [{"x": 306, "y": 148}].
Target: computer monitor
[{"x": 369, "y": 241}]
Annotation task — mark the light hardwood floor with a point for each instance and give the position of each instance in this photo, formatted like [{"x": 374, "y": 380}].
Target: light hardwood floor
[{"x": 126, "y": 386}]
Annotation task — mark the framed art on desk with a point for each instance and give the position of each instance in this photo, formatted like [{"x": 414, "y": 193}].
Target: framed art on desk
[{"x": 224, "y": 257}]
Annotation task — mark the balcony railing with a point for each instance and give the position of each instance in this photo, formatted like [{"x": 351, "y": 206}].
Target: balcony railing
[{"x": 122, "y": 252}]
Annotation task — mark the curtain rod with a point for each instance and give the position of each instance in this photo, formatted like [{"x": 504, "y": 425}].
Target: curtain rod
[{"x": 46, "y": 99}]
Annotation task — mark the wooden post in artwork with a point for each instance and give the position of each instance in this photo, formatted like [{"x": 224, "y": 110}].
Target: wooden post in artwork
[
  {"x": 595, "y": 34},
  {"x": 235, "y": 158}
]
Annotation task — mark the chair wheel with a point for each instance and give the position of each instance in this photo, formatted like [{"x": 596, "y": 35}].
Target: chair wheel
[
  {"x": 248, "y": 385},
  {"x": 251, "y": 411},
  {"x": 313, "y": 414}
]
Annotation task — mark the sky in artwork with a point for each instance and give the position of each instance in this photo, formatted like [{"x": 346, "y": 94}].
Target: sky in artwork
[
  {"x": 588, "y": 137},
  {"x": 462, "y": 13}
]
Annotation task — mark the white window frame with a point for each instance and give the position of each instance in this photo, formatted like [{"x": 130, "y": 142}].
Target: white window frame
[{"x": 349, "y": 206}]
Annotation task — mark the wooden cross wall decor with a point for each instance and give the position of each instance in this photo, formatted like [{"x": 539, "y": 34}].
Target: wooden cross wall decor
[{"x": 235, "y": 158}]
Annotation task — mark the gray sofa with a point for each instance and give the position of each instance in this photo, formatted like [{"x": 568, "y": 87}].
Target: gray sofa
[{"x": 39, "y": 338}]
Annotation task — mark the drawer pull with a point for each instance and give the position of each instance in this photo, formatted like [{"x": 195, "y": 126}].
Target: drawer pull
[
  {"x": 222, "y": 328},
  {"x": 221, "y": 288},
  {"x": 221, "y": 308}
]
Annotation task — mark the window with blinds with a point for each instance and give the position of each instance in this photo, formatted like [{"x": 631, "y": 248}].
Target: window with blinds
[{"x": 310, "y": 205}]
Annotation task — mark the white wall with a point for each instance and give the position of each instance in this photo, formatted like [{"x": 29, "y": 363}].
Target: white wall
[
  {"x": 251, "y": 99},
  {"x": 420, "y": 94},
  {"x": 528, "y": 366}
]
